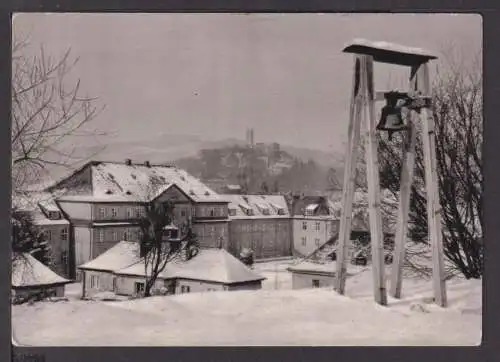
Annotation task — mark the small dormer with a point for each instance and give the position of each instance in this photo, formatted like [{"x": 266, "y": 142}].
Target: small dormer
[
  {"x": 263, "y": 209},
  {"x": 311, "y": 209},
  {"x": 232, "y": 212},
  {"x": 281, "y": 211}
]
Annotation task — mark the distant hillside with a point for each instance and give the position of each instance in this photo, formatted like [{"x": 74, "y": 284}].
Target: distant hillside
[
  {"x": 264, "y": 168},
  {"x": 225, "y": 160}
]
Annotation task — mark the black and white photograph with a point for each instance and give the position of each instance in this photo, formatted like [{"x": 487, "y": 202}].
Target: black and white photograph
[{"x": 246, "y": 179}]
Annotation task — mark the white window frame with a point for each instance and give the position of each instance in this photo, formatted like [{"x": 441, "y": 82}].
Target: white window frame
[
  {"x": 130, "y": 213},
  {"x": 318, "y": 226},
  {"x": 102, "y": 212},
  {"x": 48, "y": 235},
  {"x": 303, "y": 241},
  {"x": 64, "y": 234},
  {"x": 94, "y": 281},
  {"x": 140, "y": 289},
  {"x": 115, "y": 235},
  {"x": 304, "y": 225},
  {"x": 317, "y": 241},
  {"x": 114, "y": 212},
  {"x": 139, "y": 212},
  {"x": 101, "y": 235}
]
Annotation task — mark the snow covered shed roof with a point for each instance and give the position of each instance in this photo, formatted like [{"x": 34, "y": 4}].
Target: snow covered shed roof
[
  {"x": 329, "y": 268},
  {"x": 123, "y": 182},
  {"x": 214, "y": 265},
  {"x": 258, "y": 204},
  {"x": 120, "y": 256},
  {"x": 29, "y": 272}
]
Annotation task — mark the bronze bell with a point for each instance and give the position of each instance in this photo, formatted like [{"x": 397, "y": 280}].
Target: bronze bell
[{"x": 391, "y": 119}]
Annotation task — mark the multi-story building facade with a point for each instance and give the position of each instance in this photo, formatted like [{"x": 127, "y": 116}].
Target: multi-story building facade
[
  {"x": 260, "y": 223},
  {"x": 48, "y": 218},
  {"x": 313, "y": 223},
  {"x": 104, "y": 202}
]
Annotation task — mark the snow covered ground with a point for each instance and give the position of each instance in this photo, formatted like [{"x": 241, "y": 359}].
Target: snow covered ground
[{"x": 275, "y": 315}]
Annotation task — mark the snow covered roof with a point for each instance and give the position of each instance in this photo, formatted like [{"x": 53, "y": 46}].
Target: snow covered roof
[
  {"x": 39, "y": 218},
  {"x": 32, "y": 200},
  {"x": 386, "y": 52},
  {"x": 29, "y": 272},
  {"x": 121, "y": 182},
  {"x": 262, "y": 206},
  {"x": 123, "y": 254},
  {"x": 312, "y": 207},
  {"x": 37, "y": 205},
  {"x": 323, "y": 268},
  {"x": 215, "y": 265}
]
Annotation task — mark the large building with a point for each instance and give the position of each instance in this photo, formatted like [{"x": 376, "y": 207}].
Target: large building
[
  {"x": 48, "y": 218},
  {"x": 314, "y": 223},
  {"x": 260, "y": 223},
  {"x": 104, "y": 202}
]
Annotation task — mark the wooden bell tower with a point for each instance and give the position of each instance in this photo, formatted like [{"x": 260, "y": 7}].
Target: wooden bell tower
[{"x": 362, "y": 109}]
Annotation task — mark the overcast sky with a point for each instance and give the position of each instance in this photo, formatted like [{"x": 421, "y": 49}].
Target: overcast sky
[{"x": 217, "y": 74}]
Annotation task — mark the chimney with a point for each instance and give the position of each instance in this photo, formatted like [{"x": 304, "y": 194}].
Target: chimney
[
  {"x": 128, "y": 161},
  {"x": 147, "y": 164}
]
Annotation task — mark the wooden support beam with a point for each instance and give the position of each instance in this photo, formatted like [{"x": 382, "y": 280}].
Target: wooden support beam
[
  {"x": 376, "y": 231},
  {"x": 349, "y": 177},
  {"x": 433, "y": 203},
  {"x": 407, "y": 171}
]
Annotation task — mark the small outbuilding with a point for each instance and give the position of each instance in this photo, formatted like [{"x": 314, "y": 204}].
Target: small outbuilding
[
  {"x": 32, "y": 279},
  {"x": 121, "y": 271},
  {"x": 309, "y": 274}
]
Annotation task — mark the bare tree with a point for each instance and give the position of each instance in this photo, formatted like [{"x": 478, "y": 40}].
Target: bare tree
[
  {"x": 158, "y": 246},
  {"x": 48, "y": 108},
  {"x": 457, "y": 111}
]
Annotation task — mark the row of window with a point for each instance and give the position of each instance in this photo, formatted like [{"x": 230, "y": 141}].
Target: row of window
[
  {"x": 213, "y": 211},
  {"x": 63, "y": 234},
  {"x": 139, "y": 212},
  {"x": 130, "y": 213},
  {"x": 260, "y": 227},
  {"x": 303, "y": 241},
  {"x": 210, "y": 230},
  {"x": 316, "y": 225},
  {"x": 116, "y": 235}
]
